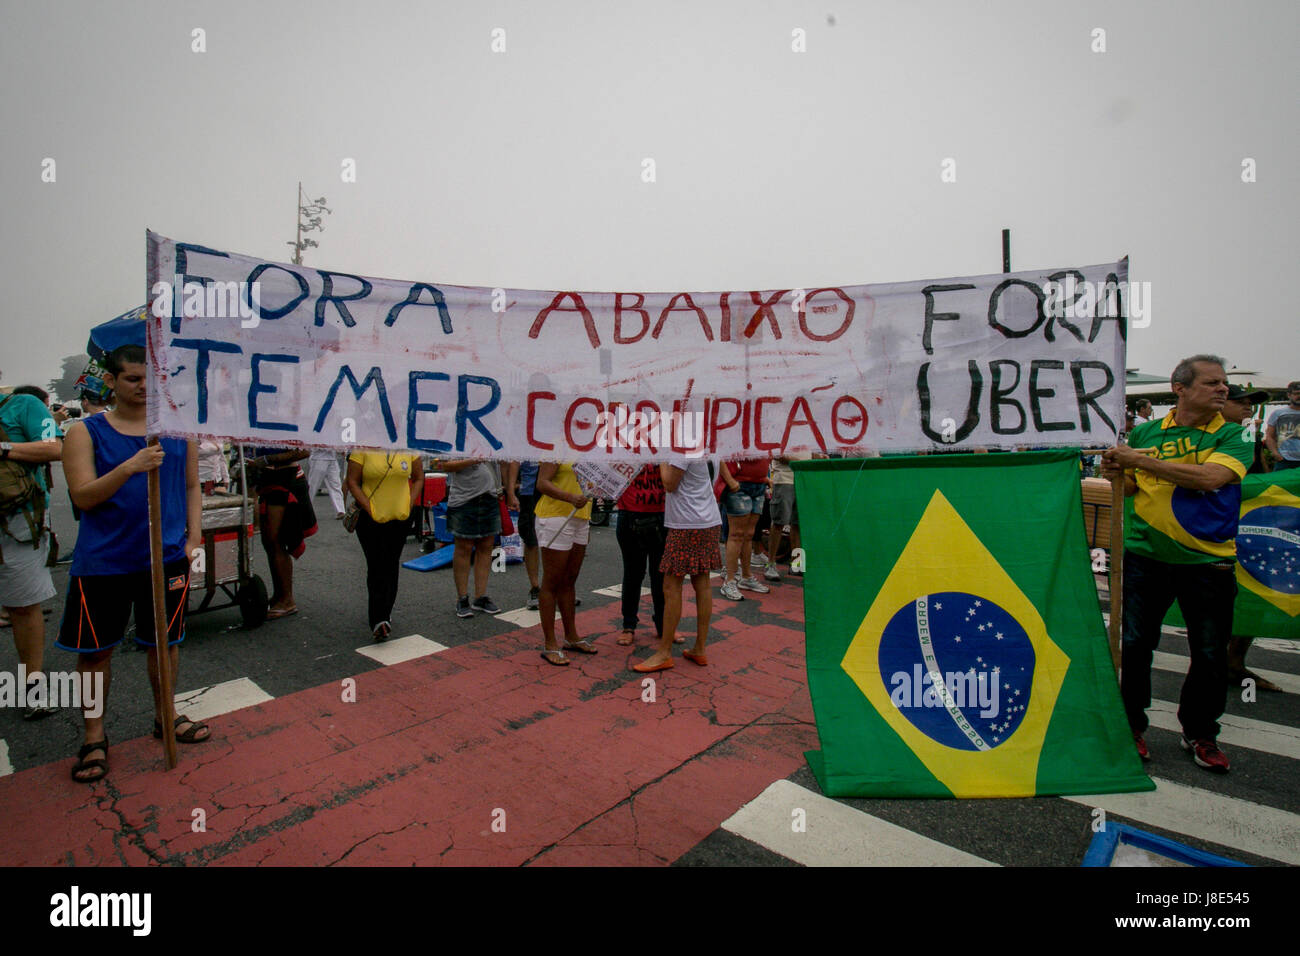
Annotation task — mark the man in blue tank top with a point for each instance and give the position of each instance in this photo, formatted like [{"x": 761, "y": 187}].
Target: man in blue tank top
[{"x": 105, "y": 460}]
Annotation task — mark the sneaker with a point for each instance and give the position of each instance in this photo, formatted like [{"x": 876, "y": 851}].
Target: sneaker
[
  {"x": 34, "y": 711},
  {"x": 757, "y": 561},
  {"x": 381, "y": 631},
  {"x": 1207, "y": 754},
  {"x": 772, "y": 574},
  {"x": 1143, "y": 751},
  {"x": 731, "y": 592},
  {"x": 485, "y": 605},
  {"x": 753, "y": 584},
  {"x": 463, "y": 609},
  {"x": 533, "y": 598}
]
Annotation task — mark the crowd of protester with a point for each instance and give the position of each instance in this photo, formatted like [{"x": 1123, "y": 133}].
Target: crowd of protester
[{"x": 677, "y": 520}]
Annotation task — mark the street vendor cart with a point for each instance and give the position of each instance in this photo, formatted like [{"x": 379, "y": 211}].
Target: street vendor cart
[{"x": 229, "y": 528}]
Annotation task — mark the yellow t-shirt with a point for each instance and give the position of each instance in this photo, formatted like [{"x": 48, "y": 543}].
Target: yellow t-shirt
[
  {"x": 548, "y": 507},
  {"x": 385, "y": 480}
]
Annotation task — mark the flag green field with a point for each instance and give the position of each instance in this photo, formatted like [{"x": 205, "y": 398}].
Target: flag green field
[
  {"x": 1268, "y": 558},
  {"x": 955, "y": 643}
]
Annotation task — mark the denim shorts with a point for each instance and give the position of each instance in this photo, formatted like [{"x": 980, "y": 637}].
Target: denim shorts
[
  {"x": 747, "y": 500},
  {"x": 477, "y": 518}
]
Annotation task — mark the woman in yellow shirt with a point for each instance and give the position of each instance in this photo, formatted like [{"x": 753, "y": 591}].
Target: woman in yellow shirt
[
  {"x": 386, "y": 486},
  {"x": 562, "y": 534}
]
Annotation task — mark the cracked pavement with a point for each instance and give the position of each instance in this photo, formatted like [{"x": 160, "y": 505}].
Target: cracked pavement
[{"x": 481, "y": 754}]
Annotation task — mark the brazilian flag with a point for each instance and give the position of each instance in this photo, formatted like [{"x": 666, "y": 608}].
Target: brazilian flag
[
  {"x": 955, "y": 644},
  {"x": 1268, "y": 558}
]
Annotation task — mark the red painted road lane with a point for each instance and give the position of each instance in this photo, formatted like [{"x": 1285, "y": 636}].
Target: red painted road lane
[{"x": 571, "y": 764}]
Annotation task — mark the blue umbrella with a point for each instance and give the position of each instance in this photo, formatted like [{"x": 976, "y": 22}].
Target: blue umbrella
[{"x": 127, "y": 329}]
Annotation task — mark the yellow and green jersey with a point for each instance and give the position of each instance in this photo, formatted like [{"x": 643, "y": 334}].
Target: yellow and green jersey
[{"x": 1179, "y": 525}]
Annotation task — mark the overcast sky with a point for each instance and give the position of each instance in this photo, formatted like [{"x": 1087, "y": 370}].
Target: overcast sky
[{"x": 773, "y": 168}]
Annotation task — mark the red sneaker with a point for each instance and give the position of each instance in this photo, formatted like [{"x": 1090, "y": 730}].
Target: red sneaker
[
  {"x": 1207, "y": 754},
  {"x": 1141, "y": 745}
]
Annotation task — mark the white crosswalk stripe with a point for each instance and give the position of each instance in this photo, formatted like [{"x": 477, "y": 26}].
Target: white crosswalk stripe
[
  {"x": 1202, "y": 813},
  {"x": 208, "y": 702},
  {"x": 837, "y": 834},
  {"x": 817, "y": 831},
  {"x": 1277, "y": 644},
  {"x": 402, "y": 649},
  {"x": 1235, "y": 731},
  {"x": 1178, "y": 664}
]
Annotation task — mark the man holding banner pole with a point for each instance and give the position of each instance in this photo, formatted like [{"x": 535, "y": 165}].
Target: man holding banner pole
[
  {"x": 1182, "y": 475},
  {"x": 117, "y": 570}
]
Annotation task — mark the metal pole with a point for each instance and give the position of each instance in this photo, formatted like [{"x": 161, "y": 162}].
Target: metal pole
[
  {"x": 1116, "y": 566},
  {"x": 297, "y": 246},
  {"x": 1006, "y": 250}
]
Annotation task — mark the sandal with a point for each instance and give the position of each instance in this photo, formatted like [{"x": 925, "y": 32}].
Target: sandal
[
  {"x": 278, "y": 612},
  {"x": 626, "y": 639},
  {"x": 191, "y": 734},
  {"x": 582, "y": 647},
  {"x": 550, "y": 657},
  {"x": 100, "y": 764}
]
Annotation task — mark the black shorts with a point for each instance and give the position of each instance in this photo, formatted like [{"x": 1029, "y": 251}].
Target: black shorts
[{"x": 99, "y": 606}]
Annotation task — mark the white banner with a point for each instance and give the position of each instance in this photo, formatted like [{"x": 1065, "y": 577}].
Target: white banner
[{"x": 284, "y": 354}]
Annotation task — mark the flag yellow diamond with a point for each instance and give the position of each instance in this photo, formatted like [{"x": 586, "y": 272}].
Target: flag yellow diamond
[{"x": 970, "y": 676}]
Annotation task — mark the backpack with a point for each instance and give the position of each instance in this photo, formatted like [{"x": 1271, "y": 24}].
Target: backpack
[{"x": 20, "y": 493}]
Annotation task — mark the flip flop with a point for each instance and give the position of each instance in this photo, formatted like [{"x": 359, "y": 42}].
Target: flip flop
[
  {"x": 701, "y": 659},
  {"x": 276, "y": 613},
  {"x": 547, "y": 656},
  {"x": 642, "y": 669},
  {"x": 582, "y": 647},
  {"x": 626, "y": 639}
]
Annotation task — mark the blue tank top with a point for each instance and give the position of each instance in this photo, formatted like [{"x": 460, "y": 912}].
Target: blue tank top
[{"x": 114, "y": 536}]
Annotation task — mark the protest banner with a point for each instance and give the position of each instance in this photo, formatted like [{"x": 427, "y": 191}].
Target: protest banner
[
  {"x": 600, "y": 480},
  {"x": 284, "y": 354}
]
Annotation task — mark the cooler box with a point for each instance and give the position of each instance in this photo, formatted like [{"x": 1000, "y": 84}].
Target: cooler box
[{"x": 435, "y": 489}]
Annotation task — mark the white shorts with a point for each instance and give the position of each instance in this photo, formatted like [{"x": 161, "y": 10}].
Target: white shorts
[
  {"x": 578, "y": 531},
  {"x": 24, "y": 578}
]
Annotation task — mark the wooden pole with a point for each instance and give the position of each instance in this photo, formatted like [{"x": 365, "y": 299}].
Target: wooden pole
[
  {"x": 163, "y": 651},
  {"x": 1116, "y": 566}
]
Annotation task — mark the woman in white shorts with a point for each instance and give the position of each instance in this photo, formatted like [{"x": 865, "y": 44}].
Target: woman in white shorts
[{"x": 562, "y": 534}]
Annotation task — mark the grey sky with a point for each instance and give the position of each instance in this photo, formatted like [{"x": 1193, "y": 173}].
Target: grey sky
[{"x": 774, "y": 168}]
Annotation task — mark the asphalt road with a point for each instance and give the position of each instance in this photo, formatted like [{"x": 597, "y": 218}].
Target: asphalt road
[{"x": 1252, "y": 814}]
